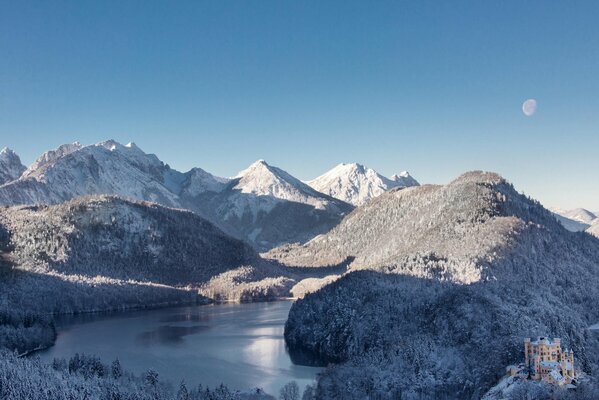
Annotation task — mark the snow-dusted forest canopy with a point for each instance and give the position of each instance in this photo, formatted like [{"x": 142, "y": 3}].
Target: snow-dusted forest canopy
[
  {"x": 444, "y": 283},
  {"x": 456, "y": 277}
]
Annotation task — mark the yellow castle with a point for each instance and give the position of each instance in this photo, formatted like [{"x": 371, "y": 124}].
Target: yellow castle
[{"x": 546, "y": 361}]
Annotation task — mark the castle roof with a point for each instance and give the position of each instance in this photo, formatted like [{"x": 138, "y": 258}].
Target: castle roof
[{"x": 551, "y": 364}]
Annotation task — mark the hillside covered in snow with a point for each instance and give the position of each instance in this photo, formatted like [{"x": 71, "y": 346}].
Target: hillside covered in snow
[
  {"x": 357, "y": 184},
  {"x": 446, "y": 283},
  {"x": 263, "y": 205},
  {"x": 119, "y": 239},
  {"x": 576, "y": 220},
  {"x": 594, "y": 229}
]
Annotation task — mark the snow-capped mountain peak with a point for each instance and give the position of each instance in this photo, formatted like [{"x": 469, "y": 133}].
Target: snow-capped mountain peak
[
  {"x": 51, "y": 156},
  {"x": 257, "y": 167},
  {"x": 357, "y": 184},
  {"x": 10, "y": 166},
  {"x": 262, "y": 179},
  {"x": 404, "y": 179}
]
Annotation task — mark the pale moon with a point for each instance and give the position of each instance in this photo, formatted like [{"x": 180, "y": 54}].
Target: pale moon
[{"x": 529, "y": 107}]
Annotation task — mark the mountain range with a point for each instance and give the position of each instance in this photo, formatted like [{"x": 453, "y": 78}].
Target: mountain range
[
  {"x": 357, "y": 184},
  {"x": 259, "y": 205},
  {"x": 411, "y": 291}
]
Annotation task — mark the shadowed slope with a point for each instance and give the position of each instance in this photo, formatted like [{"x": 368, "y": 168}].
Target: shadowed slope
[{"x": 461, "y": 274}]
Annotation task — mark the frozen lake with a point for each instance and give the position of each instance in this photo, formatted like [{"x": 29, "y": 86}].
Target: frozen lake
[{"x": 240, "y": 345}]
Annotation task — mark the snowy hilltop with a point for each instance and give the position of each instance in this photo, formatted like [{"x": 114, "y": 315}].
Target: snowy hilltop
[
  {"x": 357, "y": 184},
  {"x": 594, "y": 229},
  {"x": 120, "y": 239},
  {"x": 444, "y": 284},
  {"x": 10, "y": 166},
  {"x": 576, "y": 220},
  {"x": 263, "y": 205}
]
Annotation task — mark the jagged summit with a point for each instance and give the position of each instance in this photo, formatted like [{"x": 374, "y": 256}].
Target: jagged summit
[
  {"x": 404, "y": 179},
  {"x": 10, "y": 166},
  {"x": 260, "y": 178},
  {"x": 357, "y": 184},
  {"x": 258, "y": 166},
  {"x": 51, "y": 156},
  {"x": 107, "y": 167}
]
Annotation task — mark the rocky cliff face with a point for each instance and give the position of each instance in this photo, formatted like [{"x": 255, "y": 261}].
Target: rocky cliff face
[{"x": 10, "y": 166}]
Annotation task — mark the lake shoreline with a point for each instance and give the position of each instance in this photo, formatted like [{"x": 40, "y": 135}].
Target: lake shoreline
[{"x": 240, "y": 344}]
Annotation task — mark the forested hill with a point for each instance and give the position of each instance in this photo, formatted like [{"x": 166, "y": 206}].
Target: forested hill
[
  {"x": 454, "y": 232},
  {"x": 460, "y": 274},
  {"x": 115, "y": 238}
]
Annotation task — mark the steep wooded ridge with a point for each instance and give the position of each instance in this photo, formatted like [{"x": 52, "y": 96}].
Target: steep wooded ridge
[
  {"x": 121, "y": 239},
  {"x": 263, "y": 205},
  {"x": 456, "y": 276}
]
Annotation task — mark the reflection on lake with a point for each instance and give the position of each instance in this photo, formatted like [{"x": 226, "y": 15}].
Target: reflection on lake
[{"x": 240, "y": 345}]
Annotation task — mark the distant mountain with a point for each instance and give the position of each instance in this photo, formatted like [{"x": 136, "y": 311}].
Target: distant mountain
[
  {"x": 357, "y": 184},
  {"x": 575, "y": 220},
  {"x": 445, "y": 284},
  {"x": 268, "y": 207},
  {"x": 262, "y": 205},
  {"x": 110, "y": 237},
  {"x": 594, "y": 228},
  {"x": 105, "y": 168},
  {"x": 10, "y": 166},
  {"x": 404, "y": 179}
]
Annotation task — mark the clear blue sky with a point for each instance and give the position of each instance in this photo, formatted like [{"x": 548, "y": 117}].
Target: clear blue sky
[{"x": 434, "y": 87}]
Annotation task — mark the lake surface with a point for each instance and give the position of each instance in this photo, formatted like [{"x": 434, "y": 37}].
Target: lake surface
[{"x": 240, "y": 345}]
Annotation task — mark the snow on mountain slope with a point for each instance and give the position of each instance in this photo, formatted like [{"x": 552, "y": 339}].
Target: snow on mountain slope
[
  {"x": 575, "y": 220},
  {"x": 267, "y": 207},
  {"x": 357, "y": 184},
  {"x": 577, "y": 214},
  {"x": 261, "y": 186},
  {"x": 198, "y": 181},
  {"x": 108, "y": 167},
  {"x": 594, "y": 228},
  {"x": 263, "y": 205},
  {"x": 10, "y": 166},
  {"x": 404, "y": 179}
]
